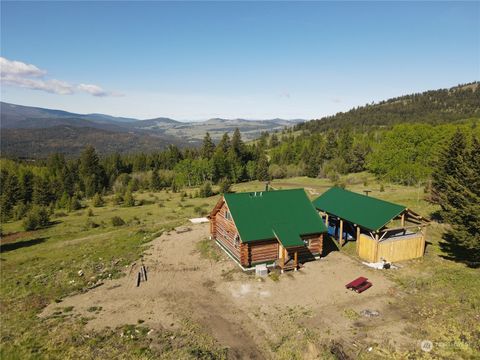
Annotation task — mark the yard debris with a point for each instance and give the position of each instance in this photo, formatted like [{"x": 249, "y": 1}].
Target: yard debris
[
  {"x": 380, "y": 265},
  {"x": 369, "y": 313},
  {"x": 199, "y": 220},
  {"x": 182, "y": 229}
]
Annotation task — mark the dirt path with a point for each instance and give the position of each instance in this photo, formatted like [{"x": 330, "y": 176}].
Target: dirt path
[
  {"x": 242, "y": 313},
  {"x": 180, "y": 283}
]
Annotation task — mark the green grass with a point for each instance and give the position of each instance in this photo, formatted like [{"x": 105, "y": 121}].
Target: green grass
[
  {"x": 442, "y": 301},
  {"x": 208, "y": 250},
  {"x": 42, "y": 267}
]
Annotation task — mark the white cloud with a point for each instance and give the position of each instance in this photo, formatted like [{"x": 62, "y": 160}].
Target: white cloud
[
  {"x": 18, "y": 68},
  {"x": 17, "y": 73}
]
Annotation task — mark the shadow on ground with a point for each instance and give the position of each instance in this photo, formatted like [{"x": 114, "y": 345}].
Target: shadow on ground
[
  {"x": 457, "y": 252},
  {"x": 21, "y": 244}
]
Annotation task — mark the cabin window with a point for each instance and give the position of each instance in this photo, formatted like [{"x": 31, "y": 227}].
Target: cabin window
[
  {"x": 227, "y": 215},
  {"x": 306, "y": 242},
  {"x": 236, "y": 241}
]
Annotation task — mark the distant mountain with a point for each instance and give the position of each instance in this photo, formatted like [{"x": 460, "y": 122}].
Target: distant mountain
[
  {"x": 433, "y": 107},
  {"x": 32, "y": 131}
]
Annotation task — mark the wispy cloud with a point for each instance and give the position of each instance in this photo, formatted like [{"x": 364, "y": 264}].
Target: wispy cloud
[{"x": 29, "y": 76}]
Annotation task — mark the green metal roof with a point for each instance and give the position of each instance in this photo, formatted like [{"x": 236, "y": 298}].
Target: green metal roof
[
  {"x": 368, "y": 212},
  {"x": 285, "y": 234},
  {"x": 258, "y": 214}
]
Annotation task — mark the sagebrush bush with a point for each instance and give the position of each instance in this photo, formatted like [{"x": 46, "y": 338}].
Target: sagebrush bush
[
  {"x": 97, "y": 200},
  {"x": 117, "y": 221}
]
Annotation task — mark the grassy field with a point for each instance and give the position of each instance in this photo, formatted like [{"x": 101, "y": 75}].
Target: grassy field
[{"x": 440, "y": 298}]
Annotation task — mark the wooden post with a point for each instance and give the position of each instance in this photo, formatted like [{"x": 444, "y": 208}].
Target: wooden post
[
  {"x": 375, "y": 253},
  {"x": 296, "y": 260},
  {"x": 403, "y": 219},
  {"x": 358, "y": 238},
  {"x": 326, "y": 220},
  {"x": 340, "y": 239}
]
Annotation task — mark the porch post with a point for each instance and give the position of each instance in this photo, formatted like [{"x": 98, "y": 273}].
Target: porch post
[
  {"x": 296, "y": 259},
  {"x": 403, "y": 219}
]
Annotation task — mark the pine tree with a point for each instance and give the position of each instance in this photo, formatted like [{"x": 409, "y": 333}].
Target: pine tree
[
  {"x": 273, "y": 140},
  {"x": 208, "y": 147},
  {"x": 455, "y": 187},
  {"x": 91, "y": 172},
  {"x": 262, "y": 168},
  {"x": 10, "y": 193},
  {"x": 237, "y": 144}
]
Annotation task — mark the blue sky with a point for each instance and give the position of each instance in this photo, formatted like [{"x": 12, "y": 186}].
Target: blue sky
[{"x": 197, "y": 60}]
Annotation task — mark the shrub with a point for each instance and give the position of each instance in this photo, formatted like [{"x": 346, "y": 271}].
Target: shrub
[
  {"x": 117, "y": 221},
  {"x": 117, "y": 199},
  {"x": 128, "y": 199},
  {"x": 90, "y": 224},
  {"x": 200, "y": 211},
  {"x": 97, "y": 200},
  {"x": 37, "y": 217},
  {"x": 225, "y": 186},
  {"x": 74, "y": 204},
  {"x": 206, "y": 190},
  {"x": 20, "y": 211},
  {"x": 90, "y": 212}
]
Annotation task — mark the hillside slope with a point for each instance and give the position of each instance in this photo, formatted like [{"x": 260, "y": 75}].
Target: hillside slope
[{"x": 432, "y": 107}]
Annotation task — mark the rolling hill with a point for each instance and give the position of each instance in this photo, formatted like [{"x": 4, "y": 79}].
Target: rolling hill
[{"x": 35, "y": 132}]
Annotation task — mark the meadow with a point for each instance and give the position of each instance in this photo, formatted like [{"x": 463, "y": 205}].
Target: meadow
[{"x": 80, "y": 250}]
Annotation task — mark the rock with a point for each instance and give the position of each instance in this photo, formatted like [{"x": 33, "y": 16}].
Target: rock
[
  {"x": 369, "y": 313},
  {"x": 80, "y": 273}
]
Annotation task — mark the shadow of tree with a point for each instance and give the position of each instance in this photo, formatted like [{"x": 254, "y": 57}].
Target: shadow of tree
[
  {"x": 21, "y": 244},
  {"x": 459, "y": 253}
]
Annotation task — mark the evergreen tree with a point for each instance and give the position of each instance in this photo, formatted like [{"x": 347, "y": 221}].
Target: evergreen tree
[
  {"x": 237, "y": 144},
  {"x": 10, "y": 193},
  {"x": 42, "y": 192},
  {"x": 262, "y": 168},
  {"x": 455, "y": 186},
  {"x": 90, "y": 171},
  {"x": 208, "y": 147},
  {"x": 273, "y": 140}
]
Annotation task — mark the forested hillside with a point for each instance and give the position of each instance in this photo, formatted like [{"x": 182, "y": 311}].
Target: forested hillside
[{"x": 432, "y": 107}]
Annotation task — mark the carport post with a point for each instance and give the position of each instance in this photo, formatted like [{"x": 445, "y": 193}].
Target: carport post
[
  {"x": 358, "y": 238},
  {"x": 340, "y": 239}
]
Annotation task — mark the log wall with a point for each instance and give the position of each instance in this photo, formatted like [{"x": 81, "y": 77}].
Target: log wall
[
  {"x": 224, "y": 231},
  {"x": 263, "y": 251}
]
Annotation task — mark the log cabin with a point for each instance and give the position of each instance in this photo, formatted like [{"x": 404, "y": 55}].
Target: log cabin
[
  {"x": 278, "y": 227},
  {"x": 382, "y": 230}
]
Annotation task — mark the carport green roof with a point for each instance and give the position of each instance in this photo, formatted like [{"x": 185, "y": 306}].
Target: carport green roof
[
  {"x": 365, "y": 211},
  {"x": 282, "y": 214}
]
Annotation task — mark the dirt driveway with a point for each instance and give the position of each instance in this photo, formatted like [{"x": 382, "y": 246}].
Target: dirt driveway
[{"x": 252, "y": 317}]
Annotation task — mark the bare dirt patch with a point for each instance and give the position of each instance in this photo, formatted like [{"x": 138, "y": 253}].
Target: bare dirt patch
[{"x": 253, "y": 318}]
